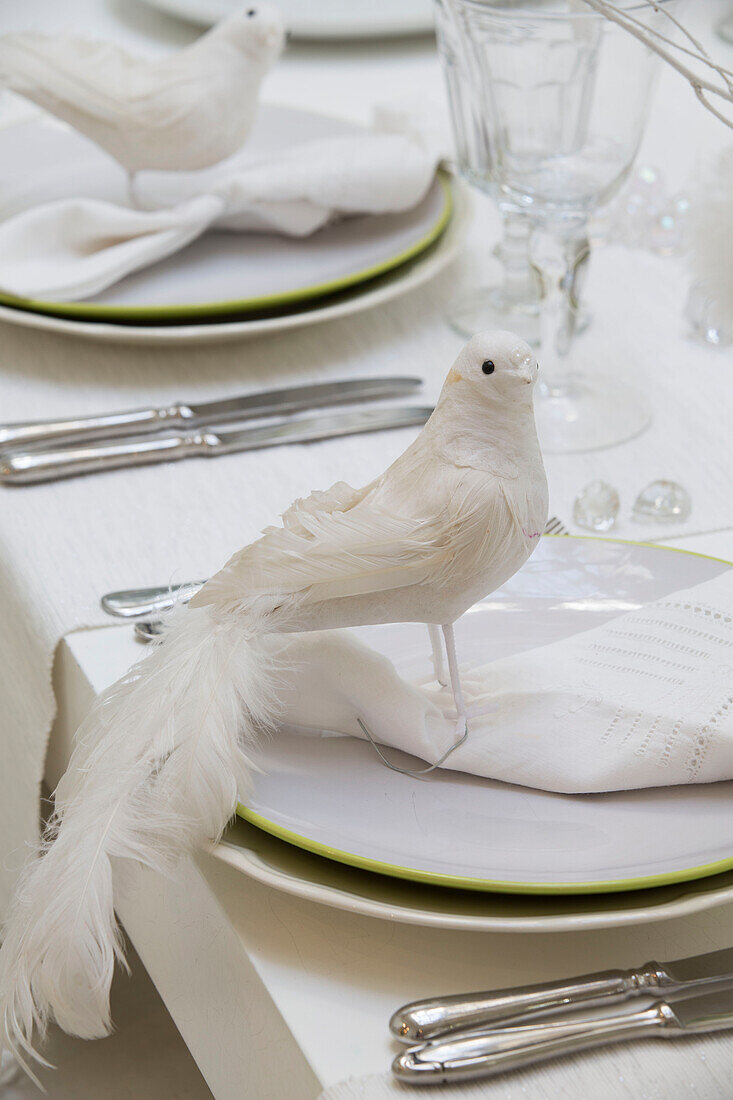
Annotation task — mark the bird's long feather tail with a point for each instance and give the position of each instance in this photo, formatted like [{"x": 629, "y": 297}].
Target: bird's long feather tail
[{"x": 158, "y": 767}]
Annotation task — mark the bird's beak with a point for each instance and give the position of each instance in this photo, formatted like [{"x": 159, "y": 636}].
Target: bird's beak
[{"x": 527, "y": 370}]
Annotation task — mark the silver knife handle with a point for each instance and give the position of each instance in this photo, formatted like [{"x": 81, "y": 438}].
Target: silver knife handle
[
  {"x": 140, "y": 603},
  {"x": 94, "y": 427},
  {"x": 427, "y": 1019},
  {"x": 29, "y": 467},
  {"x": 469, "y": 1056}
]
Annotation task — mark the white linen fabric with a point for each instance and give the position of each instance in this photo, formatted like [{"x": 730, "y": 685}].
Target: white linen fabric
[
  {"x": 71, "y": 249},
  {"x": 645, "y": 700},
  {"x": 384, "y": 1087}
]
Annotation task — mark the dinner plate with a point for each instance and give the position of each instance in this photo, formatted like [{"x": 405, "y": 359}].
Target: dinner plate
[
  {"x": 379, "y": 291},
  {"x": 264, "y": 857},
  {"x": 321, "y": 18},
  {"x": 222, "y": 274},
  {"x": 333, "y": 796}
]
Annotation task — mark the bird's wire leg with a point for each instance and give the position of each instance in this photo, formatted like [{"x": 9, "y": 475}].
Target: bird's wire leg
[
  {"x": 461, "y": 729},
  {"x": 438, "y": 663},
  {"x": 455, "y": 683}
]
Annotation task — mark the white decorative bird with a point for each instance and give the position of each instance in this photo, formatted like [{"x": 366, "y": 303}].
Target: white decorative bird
[
  {"x": 185, "y": 111},
  {"x": 162, "y": 757}
]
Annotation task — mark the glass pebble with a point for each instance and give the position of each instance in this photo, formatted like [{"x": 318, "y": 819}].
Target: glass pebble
[
  {"x": 662, "y": 502},
  {"x": 596, "y": 506}
]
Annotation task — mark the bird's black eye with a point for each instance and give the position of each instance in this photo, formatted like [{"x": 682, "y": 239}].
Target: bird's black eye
[
  {"x": 251, "y": 12},
  {"x": 487, "y": 366}
]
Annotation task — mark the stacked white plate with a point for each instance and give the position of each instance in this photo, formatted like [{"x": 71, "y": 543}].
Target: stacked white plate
[
  {"x": 470, "y": 853},
  {"x": 226, "y": 285}
]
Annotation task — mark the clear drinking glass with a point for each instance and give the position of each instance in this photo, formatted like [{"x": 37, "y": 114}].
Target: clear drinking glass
[
  {"x": 548, "y": 102},
  {"x": 513, "y": 300}
]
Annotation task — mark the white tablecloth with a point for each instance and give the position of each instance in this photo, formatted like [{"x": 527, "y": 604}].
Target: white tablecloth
[{"x": 63, "y": 545}]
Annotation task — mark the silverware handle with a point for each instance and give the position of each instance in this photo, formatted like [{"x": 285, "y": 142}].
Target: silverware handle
[
  {"x": 427, "y": 1019},
  {"x": 142, "y": 602},
  {"x": 469, "y": 1056},
  {"x": 30, "y": 467},
  {"x": 87, "y": 428}
]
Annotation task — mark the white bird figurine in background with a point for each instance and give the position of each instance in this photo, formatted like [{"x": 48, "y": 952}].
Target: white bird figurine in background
[
  {"x": 163, "y": 755},
  {"x": 184, "y": 111}
]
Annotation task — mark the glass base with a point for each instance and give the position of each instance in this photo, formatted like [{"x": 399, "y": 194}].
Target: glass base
[
  {"x": 588, "y": 415},
  {"x": 488, "y": 307}
]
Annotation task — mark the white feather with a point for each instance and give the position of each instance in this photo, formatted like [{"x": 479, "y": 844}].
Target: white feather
[
  {"x": 157, "y": 769},
  {"x": 163, "y": 755}
]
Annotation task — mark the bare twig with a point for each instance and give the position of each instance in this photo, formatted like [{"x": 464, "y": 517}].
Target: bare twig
[{"x": 670, "y": 50}]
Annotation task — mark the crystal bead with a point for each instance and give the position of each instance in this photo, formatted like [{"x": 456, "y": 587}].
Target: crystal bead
[
  {"x": 596, "y": 506},
  {"x": 668, "y": 228},
  {"x": 662, "y": 502}
]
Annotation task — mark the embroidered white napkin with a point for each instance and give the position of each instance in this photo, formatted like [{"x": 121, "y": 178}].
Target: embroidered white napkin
[
  {"x": 74, "y": 248},
  {"x": 645, "y": 700}
]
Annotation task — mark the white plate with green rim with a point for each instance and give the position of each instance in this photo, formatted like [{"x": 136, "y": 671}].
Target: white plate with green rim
[
  {"x": 409, "y": 276},
  {"x": 332, "y": 795},
  {"x": 282, "y": 866},
  {"x": 221, "y": 275}
]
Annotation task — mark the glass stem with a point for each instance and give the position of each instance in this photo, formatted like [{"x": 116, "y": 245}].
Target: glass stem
[
  {"x": 562, "y": 260},
  {"x": 520, "y": 282}
]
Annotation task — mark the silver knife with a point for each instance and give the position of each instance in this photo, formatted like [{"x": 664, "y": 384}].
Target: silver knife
[
  {"x": 443, "y": 1015},
  {"x": 30, "y": 467},
  {"x": 252, "y": 406},
  {"x": 485, "y": 1054}
]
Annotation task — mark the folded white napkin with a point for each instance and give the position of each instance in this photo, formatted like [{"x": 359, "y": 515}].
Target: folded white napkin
[
  {"x": 74, "y": 248},
  {"x": 645, "y": 700}
]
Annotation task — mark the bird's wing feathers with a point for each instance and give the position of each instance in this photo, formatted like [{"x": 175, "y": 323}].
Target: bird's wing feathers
[
  {"x": 98, "y": 79},
  {"x": 60, "y": 69},
  {"x": 340, "y": 497},
  {"x": 333, "y": 544}
]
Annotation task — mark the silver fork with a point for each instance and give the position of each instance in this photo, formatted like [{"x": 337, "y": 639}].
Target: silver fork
[{"x": 554, "y": 526}]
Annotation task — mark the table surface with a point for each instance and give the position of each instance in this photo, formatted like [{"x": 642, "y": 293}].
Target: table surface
[{"x": 280, "y": 998}]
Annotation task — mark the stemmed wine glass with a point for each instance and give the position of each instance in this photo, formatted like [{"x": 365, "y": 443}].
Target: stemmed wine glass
[
  {"x": 548, "y": 102},
  {"x": 507, "y": 292}
]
